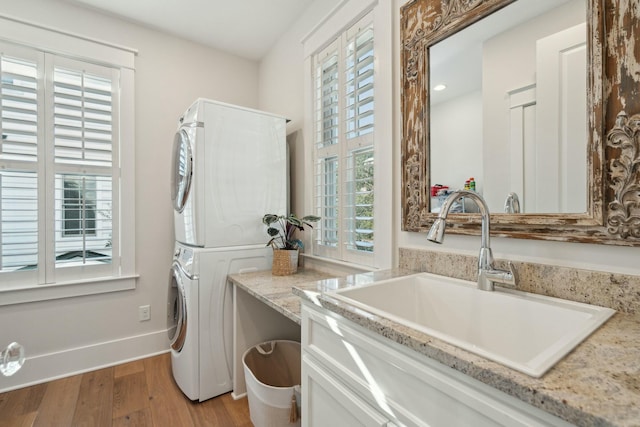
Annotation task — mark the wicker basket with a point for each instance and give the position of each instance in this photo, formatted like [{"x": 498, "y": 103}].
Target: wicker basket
[{"x": 285, "y": 262}]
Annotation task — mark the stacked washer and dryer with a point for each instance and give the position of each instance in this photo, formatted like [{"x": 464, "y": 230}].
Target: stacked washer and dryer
[{"x": 229, "y": 169}]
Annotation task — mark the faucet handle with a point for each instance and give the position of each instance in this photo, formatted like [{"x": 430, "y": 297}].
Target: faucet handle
[
  {"x": 505, "y": 277},
  {"x": 488, "y": 277},
  {"x": 502, "y": 277}
]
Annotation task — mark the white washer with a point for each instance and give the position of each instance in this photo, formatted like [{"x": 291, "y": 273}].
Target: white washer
[
  {"x": 200, "y": 312},
  {"x": 229, "y": 169}
]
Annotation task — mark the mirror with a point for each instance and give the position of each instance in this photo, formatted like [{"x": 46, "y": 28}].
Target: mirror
[
  {"x": 519, "y": 78},
  {"x": 608, "y": 209}
]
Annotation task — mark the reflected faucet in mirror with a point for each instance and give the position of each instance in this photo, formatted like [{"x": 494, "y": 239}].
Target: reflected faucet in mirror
[
  {"x": 512, "y": 203},
  {"x": 488, "y": 275}
]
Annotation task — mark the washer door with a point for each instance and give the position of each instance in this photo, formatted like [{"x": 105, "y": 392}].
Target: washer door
[
  {"x": 176, "y": 309},
  {"x": 182, "y": 170}
]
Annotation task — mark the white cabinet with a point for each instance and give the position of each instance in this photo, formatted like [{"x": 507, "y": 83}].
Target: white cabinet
[{"x": 348, "y": 369}]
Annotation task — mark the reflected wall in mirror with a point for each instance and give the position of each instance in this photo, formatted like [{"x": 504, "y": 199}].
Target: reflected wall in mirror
[
  {"x": 519, "y": 79},
  {"x": 574, "y": 164}
]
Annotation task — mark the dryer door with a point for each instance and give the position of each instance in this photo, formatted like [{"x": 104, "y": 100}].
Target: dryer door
[
  {"x": 182, "y": 170},
  {"x": 176, "y": 309}
]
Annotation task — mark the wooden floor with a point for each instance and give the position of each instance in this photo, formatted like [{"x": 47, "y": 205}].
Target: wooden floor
[{"x": 140, "y": 393}]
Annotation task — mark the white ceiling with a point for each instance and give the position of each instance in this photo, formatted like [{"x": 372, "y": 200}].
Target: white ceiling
[
  {"x": 247, "y": 28},
  {"x": 457, "y": 61}
]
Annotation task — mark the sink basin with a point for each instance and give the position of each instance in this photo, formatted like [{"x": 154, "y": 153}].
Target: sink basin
[{"x": 524, "y": 331}]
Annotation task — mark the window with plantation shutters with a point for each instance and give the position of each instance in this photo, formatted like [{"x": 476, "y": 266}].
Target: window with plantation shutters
[
  {"x": 344, "y": 145},
  {"x": 60, "y": 168}
]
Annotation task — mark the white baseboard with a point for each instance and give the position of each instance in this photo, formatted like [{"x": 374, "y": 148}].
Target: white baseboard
[
  {"x": 52, "y": 366},
  {"x": 235, "y": 396}
]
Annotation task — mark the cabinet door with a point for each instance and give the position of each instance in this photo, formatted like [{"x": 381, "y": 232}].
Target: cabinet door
[{"x": 326, "y": 402}]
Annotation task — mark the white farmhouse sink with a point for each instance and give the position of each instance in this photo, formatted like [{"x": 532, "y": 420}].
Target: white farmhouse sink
[{"x": 526, "y": 332}]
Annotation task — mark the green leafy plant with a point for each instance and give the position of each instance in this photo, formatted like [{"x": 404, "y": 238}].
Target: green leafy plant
[{"x": 282, "y": 227}]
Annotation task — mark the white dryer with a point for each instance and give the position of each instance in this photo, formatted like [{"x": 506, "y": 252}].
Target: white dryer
[
  {"x": 200, "y": 315},
  {"x": 229, "y": 169}
]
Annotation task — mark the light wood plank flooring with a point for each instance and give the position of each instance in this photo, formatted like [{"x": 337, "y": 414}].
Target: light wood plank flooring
[{"x": 139, "y": 393}]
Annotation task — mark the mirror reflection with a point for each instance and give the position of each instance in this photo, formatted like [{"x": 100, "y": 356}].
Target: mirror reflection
[{"x": 508, "y": 109}]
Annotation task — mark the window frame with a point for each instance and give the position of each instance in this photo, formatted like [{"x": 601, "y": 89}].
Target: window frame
[
  {"x": 339, "y": 21},
  {"x": 38, "y": 285}
]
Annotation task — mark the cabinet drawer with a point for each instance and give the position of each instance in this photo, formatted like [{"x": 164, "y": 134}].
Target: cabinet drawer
[
  {"x": 328, "y": 402},
  {"x": 408, "y": 387}
]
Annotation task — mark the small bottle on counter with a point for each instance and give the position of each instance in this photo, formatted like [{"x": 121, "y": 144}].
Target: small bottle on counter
[{"x": 472, "y": 184}]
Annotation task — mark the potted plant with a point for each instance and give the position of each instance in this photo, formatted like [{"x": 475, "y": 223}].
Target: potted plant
[{"x": 281, "y": 228}]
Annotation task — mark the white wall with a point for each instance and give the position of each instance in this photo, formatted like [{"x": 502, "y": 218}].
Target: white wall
[
  {"x": 281, "y": 90},
  {"x": 276, "y": 77},
  {"x": 79, "y": 333},
  {"x": 456, "y": 141}
]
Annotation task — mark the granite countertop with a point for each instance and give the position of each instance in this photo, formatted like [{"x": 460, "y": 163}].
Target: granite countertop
[
  {"x": 597, "y": 384},
  {"x": 277, "y": 291}
]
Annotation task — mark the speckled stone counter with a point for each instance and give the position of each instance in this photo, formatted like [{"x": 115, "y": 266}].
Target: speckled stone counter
[
  {"x": 597, "y": 384},
  {"x": 276, "y": 291}
]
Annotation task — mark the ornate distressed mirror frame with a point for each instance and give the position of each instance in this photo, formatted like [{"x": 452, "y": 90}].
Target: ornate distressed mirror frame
[{"x": 613, "y": 99}]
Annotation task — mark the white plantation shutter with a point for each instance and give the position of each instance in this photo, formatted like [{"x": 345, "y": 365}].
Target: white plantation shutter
[
  {"x": 359, "y": 195},
  {"x": 359, "y": 201},
  {"x": 359, "y": 80},
  {"x": 328, "y": 98},
  {"x": 83, "y": 121},
  {"x": 327, "y": 205},
  {"x": 19, "y": 126},
  {"x": 19, "y": 109},
  {"x": 18, "y": 220},
  {"x": 344, "y": 145},
  {"x": 83, "y": 127},
  {"x": 327, "y": 95}
]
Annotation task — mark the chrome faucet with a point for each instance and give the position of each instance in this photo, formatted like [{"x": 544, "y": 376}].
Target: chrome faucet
[{"x": 487, "y": 274}]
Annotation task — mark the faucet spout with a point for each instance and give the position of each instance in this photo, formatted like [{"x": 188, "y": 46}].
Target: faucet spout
[{"x": 488, "y": 275}]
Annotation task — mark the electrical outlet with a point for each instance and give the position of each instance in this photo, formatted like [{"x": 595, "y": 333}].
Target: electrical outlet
[{"x": 144, "y": 313}]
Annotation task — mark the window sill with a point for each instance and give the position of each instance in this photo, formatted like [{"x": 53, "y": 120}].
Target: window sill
[
  {"x": 67, "y": 289},
  {"x": 322, "y": 264}
]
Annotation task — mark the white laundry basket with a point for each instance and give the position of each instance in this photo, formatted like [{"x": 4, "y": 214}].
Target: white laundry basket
[{"x": 272, "y": 374}]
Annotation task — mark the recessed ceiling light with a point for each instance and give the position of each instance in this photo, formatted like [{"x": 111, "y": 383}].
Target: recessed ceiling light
[{"x": 439, "y": 87}]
